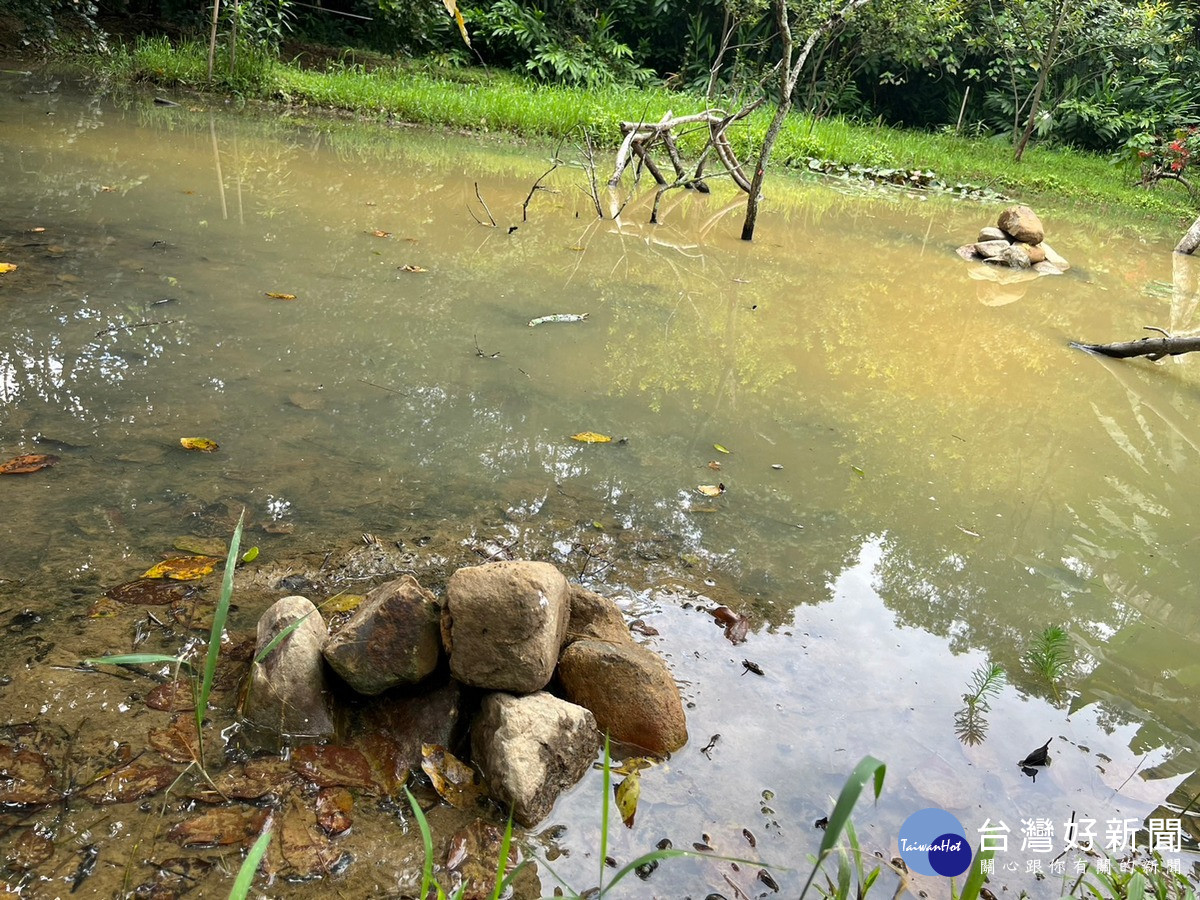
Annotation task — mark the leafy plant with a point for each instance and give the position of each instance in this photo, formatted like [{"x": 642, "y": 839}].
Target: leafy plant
[
  {"x": 201, "y": 686},
  {"x": 970, "y": 722},
  {"x": 1050, "y": 656}
]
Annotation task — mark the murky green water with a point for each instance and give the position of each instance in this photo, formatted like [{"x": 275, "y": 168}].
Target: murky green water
[{"x": 921, "y": 475}]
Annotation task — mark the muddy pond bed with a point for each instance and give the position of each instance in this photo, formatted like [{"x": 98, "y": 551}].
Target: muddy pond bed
[{"x": 846, "y": 482}]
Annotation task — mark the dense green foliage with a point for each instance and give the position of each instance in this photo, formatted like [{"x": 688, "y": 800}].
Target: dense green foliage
[{"x": 1108, "y": 76}]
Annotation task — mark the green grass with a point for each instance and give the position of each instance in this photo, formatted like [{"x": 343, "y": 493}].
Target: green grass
[{"x": 494, "y": 101}]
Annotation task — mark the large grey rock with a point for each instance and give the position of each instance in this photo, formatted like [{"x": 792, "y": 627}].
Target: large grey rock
[
  {"x": 990, "y": 249},
  {"x": 532, "y": 748},
  {"x": 630, "y": 691},
  {"x": 504, "y": 623},
  {"x": 1023, "y": 224},
  {"x": 288, "y": 693},
  {"x": 1054, "y": 258},
  {"x": 1015, "y": 256},
  {"x": 393, "y": 638},
  {"x": 593, "y": 616},
  {"x": 991, "y": 233}
]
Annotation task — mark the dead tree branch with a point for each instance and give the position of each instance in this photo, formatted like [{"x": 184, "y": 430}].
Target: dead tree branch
[
  {"x": 491, "y": 222},
  {"x": 1154, "y": 348}
]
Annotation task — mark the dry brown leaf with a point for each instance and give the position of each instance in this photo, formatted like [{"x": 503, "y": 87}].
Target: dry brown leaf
[
  {"x": 277, "y": 295},
  {"x": 130, "y": 783},
  {"x": 379, "y": 234},
  {"x": 30, "y": 462},
  {"x": 453, "y": 779},
  {"x": 409, "y": 267},
  {"x": 331, "y": 766},
  {"x": 177, "y": 741},
  {"x": 218, "y": 828}
]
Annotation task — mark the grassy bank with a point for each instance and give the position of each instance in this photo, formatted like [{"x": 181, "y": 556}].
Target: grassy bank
[{"x": 490, "y": 100}]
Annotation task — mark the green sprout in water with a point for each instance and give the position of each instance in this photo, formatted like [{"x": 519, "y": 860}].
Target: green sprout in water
[
  {"x": 1050, "y": 657},
  {"x": 970, "y": 722}
]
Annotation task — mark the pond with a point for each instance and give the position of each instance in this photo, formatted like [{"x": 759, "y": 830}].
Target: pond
[{"x": 920, "y": 475}]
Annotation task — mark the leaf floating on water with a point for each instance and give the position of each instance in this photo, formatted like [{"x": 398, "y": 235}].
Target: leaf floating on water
[
  {"x": 30, "y": 462},
  {"x": 379, "y": 234},
  {"x": 182, "y": 568},
  {"x": 721, "y": 449},
  {"x": 857, "y": 471},
  {"x": 276, "y": 295},
  {"x": 250, "y": 555},
  {"x": 969, "y": 533},
  {"x": 453, "y": 779},
  {"x": 776, "y": 466},
  {"x": 711, "y": 490},
  {"x": 591, "y": 437},
  {"x": 409, "y": 267},
  {"x": 714, "y": 465},
  {"x": 558, "y": 318},
  {"x": 202, "y": 445},
  {"x": 5, "y": 268},
  {"x": 628, "y": 792}
]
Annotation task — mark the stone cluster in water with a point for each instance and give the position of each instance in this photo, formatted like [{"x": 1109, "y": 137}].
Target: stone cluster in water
[
  {"x": 1018, "y": 240},
  {"x": 506, "y": 628}
]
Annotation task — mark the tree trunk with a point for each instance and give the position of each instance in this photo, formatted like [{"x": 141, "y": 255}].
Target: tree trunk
[
  {"x": 789, "y": 74},
  {"x": 1190, "y": 241},
  {"x": 1043, "y": 74},
  {"x": 1155, "y": 348},
  {"x": 212, "y": 38}
]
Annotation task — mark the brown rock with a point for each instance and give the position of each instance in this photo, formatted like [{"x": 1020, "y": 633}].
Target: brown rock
[
  {"x": 967, "y": 252},
  {"x": 1023, "y": 224},
  {"x": 1015, "y": 256},
  {"x": 531, "y": 748},
  {"x": 630, "y": 691},
  {"x": 287, "y": 692},
  {"x": 392, "y": 638},
  {"x": 504, "y": 623},
  {"x": 991, "y": 249},
  {"x": 595, "y": 617},
  {"x": 1036, "y": 253}
]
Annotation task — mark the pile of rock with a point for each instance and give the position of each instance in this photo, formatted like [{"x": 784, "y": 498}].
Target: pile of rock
[
  {"x": 1017, "y": 241},
  {"x": 507, "y": 628}
]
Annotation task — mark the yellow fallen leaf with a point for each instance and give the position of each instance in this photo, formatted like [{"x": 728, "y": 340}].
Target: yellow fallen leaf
[
  {"x": 204, "y": 445},
  {"x": 628, "y": 792},
  {"x": 591, "y": 437},
  {"x": 711, "y": 490},
  {"x": 342, "y": 603},
  {"x": 409, "y": 267},
  {"x": 182, "y": 568},
  {"x": 276, "y": 295},
  {"x": 5, "y": 268}
]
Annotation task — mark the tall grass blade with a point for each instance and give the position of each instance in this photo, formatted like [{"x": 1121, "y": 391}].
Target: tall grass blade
[
  {"x": 503, "y": 877},
  {"x": 220, "y": 615},
  {"x": 245, "y": 875},
  {"x": 868, "y": 769},
  {"x": 974, "y": 883},
  {"x": 137, "y": 659},
  {"x": 604, "y": 812},
  {"x": 426, "y": 842}
]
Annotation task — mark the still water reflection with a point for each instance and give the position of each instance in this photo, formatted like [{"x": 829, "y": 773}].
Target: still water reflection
[{"x": 921, "y": 475}]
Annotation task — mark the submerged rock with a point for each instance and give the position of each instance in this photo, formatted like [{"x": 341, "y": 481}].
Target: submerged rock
[
  {"x": 991, "y": 249},
  {"x": 596, "y": 617},
  {"x": 392, "y": 638},
  {"x": 630, "y": 691},
  {"x": 531, "y": 749},
  {"x": 504, "y": 623},
  {"x": 287, "y": 692}
]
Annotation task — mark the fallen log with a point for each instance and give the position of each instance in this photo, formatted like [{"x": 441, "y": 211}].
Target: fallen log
[{"x": 1155, "y": 348}]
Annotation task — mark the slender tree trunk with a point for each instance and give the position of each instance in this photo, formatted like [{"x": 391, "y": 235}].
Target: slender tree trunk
[
  {"x": 1043, "y": 75},
  {"x": 1190, "y": 241},
  {"x": 212, "y": 38},
  {"x": 789, "y": 74}
]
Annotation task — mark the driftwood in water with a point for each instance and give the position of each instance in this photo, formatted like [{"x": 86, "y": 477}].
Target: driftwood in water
[
  {"x": 1155, "y": 348},
  {"x": 1190, "y": 241}
]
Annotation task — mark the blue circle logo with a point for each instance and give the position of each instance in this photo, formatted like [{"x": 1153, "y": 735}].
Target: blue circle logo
[{"x": 933, "y": 842}]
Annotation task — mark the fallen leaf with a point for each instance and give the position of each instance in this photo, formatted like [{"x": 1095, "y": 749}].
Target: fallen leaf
[
  {"x": 330, "y": 766},
  {"x": 255, "y": 779},
  {"x": 26, "y": 778},
  {"x": 379, "y": 234},
  {"x": 37, "y": 230},
  {"x": 130, "y": 783},
  {"x": 276, "y": 295},
  {"x": 147, "y": 592},
  {"x": 305, "y": 850},
  {"x": 714, "y": 465},
  {"x": 628, "y": 792},
  {"x": 177, "y": 741},
  {"x": 30, "y": 462},
  {"x": 721, "y": 449},
  {"x": 182, "y": 568},
  {"x": 218, "y": 828},
  {"x": 333, "y": 809},
  {"x": 711, "y": 490},
  {"x": 104, "y": 608},
  {"x": 173, "y": 696},
  {"x": 409, "y": 267},
  {"x": 250, "y": 555},
  {"x": 591, "y": 437},
  {"x": 5, "y": 268},
  {"x": 342, "y": 603},
  {"x": 203, "y": 445},
  {"x": 29, "y": 850},
  {"x": 473, "y": 858},
  {"x": 857, "y": 471},
  {"x": 453, "y": 779}
]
